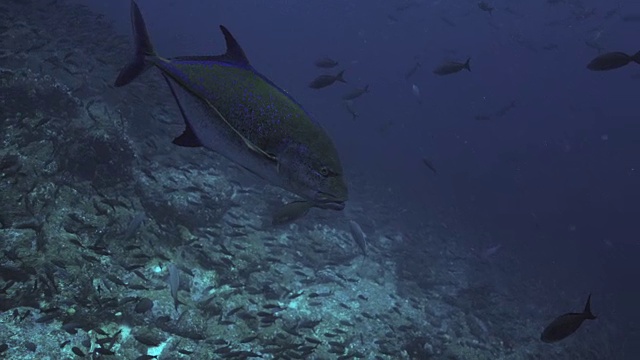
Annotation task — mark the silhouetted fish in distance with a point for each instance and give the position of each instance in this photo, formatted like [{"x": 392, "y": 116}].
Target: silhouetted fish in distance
[
  {"x": 485, "y": 7},
  {"x": 612, "y": 60},
  {"x": 323, "y": 81},
  {"x": 356, "y": 93},
  {"x": 326, "y": 63},
  {"x": 276, "y": 140},
  {"x": 452, "y": 67},
  {"x": 567, "y": 324}
]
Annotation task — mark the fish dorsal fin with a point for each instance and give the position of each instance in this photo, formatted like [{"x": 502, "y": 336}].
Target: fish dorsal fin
[{"x": 234, "y": 51}]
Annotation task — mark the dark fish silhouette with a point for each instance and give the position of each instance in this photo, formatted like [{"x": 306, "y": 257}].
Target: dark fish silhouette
[
  {"x": 412, "y": 70},
  {"x": 485, "y": 7},
  {"x": 356, "y": 93},
  {"x": 452, "y": 67},
  {"x": 323, "y": 81},
  {"x": 429, "y": 165},
  {"x": 359, "y": 236},
  {"x": 348, "y": 104},
  {"x": 612, "y": 60},
  {"x": 567, "y": 324},
  {"x": 326, "y": 63}
]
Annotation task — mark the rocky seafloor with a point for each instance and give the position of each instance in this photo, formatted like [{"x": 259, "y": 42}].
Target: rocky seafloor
[{"x": 97, "y": 205}]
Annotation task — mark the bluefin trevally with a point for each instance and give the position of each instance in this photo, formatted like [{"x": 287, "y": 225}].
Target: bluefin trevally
[{"x": 232, "y": 109}]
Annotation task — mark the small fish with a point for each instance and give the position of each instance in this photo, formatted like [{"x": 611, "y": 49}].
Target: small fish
[
  {"x": 323, "y": 81},
  {"x": 326, "y": 63},
  {"x": 416, "y": 92},
  {"x": 290, "y": 212},
  {"x": 356, "y": 93},
  {"x": 452, "y": 67},
  {"x": 612, "y": 60},
  {"x": 134, "y": 225},
  {"x": 429, "y": 165},
  {"x": 348, "y": 104},
  {"x": 594, "y": 45},
  {"x": 567, "y": 324},
  {"x": 413, "y": 70},
  {"x": 358, "y": 236},
  {"x": 487, "y": 253},
  {"x": 447, "y": 21},
  {"x": 485, "y": 7},
  {"x": 174, "y": 284}
]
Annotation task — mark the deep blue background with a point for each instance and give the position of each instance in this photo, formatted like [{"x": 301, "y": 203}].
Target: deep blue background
[{"x": 555, "y": 181}]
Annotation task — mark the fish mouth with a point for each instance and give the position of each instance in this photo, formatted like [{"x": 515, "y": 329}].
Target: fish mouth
[{"x": 327, "y": 201}]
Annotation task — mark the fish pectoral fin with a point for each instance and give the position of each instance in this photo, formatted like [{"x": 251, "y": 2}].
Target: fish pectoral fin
[{"x": 188, "y": 138}]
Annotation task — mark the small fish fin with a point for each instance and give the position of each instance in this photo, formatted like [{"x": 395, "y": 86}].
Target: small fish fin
[
  {"x": 340, "y": 78},
  {"x": 234, "y": 51},
  {"x": 366, "y": 88},
  {"x": 466, "y": 64},
  {"x": 587, "y": 309},
  {"x": 187, "y": 138},
  {"x": 143, "y": 48},
  {"x": 636, "y": 57}
]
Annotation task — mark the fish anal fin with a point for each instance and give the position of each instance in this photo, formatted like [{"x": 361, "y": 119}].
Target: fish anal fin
[{"x": 187, "y": 139}]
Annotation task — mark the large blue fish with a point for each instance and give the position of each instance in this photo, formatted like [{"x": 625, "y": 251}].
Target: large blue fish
[{"x": 232, "y": 109}]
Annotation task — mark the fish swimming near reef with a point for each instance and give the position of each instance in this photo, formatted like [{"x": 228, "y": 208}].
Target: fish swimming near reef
[
  {"x": 323, "y": 81},
  {"x": 232, "y": 109},
  {"x": 358, "y": 236},
  {"x": 567, "y": 324}
]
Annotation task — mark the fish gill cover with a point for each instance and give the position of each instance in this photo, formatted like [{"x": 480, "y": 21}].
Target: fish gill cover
[{"x": 484, "y": 206}]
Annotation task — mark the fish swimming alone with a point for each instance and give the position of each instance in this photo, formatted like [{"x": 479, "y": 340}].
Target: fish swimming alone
[
  {"x": 567, "y": 324},
  {"x": 359, "y": 237},
  {"x": 485, "y": 7},
  {"x": 326, "y": 63},
  {"x": 612, "y": 60},
  {"x": 356, "y": 93},
  {"x": 452, "y": 67},
  {"x": 323, "y": 81},
  {"x": 232, "y": 109}
]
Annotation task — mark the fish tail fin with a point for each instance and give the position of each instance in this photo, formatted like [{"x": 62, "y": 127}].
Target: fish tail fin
[
  {"x": 340, "y": 77},
  {"x": 636, "y": 57},
  {"x": 467, "y": 65},
  {"x": 143, "y": 49},
  {"x": 587, "y": 310}
]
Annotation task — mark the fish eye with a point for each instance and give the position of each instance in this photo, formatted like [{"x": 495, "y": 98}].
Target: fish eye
[{"x": 324, "y": 171}]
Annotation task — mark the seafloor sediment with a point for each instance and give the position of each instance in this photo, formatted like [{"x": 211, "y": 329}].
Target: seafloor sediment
[{"x": 96, "y": 205}]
